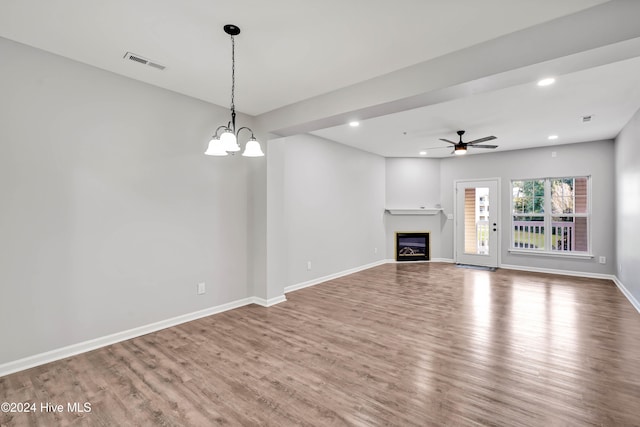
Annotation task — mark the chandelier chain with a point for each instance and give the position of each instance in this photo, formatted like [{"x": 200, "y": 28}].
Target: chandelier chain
[{"x": 233, "y": 74}]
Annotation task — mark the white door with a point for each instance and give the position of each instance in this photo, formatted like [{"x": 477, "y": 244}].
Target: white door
[{"x": 476, "y": 223}]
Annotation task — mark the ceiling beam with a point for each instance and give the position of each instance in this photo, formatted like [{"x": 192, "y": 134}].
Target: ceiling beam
[{"x": 586, "y": 39}]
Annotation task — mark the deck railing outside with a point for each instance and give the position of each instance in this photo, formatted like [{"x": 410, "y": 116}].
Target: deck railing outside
[
  {"x": 482, "y": 233},
  {"x": 530, "y": 235}
]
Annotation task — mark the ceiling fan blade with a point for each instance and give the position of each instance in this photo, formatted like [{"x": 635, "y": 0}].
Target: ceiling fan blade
[
  {"x": 446, "y": 140},
  {"x": 484, "y": 146},
  {"x": 437, "y": 148},
  {"x": 486, "y": 138}
]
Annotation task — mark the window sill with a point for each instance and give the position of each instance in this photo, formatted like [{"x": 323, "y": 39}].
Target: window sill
[{"x": 578, "y": 255}]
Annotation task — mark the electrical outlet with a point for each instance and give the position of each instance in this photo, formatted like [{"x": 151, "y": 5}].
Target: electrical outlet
[
  {"x": 602, "y": 260},
  {"x": 375, "y": 250},
  {"x": 201, "y": 288},
  {"x": 554, "y": 154},
  {"x": 308, "y": 265}
]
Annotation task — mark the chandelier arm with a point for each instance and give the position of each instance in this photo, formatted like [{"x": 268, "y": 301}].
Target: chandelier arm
[
  {"x": 218, "y": 130},
  {"x": 247, "y": 128}
]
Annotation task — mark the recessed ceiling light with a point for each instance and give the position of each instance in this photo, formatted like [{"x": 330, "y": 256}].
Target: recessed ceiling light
[
  {"x": 546, "y": 82},
  {"x": 552, "y": 137},
  {"x": 354, "y": 124},
  {"x": 423, "y": 153}
]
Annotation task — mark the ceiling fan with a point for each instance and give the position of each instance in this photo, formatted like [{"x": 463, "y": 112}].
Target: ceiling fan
[{"x": 460, "y": 147}]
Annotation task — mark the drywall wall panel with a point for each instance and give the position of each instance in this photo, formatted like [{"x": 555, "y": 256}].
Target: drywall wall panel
[
  {"x": 595, "y": 159},
  {"x": 627, "y": 212},
  {"x": 111, "y": 215},
  {"x": 332, "y": 208}
]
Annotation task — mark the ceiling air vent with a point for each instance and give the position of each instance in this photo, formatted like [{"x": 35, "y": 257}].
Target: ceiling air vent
[
  {"x": 586, "y": 119},
  {"x": 142, "y": 60},
  {"x": 155, "y": 65}
]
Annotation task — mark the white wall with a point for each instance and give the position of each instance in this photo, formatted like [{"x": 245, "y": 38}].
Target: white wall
[
  {"x": 110, "y": 213},
  {"x": 301, "y": 166},
  {"x": 277, "y": 229},
  {"x": 628, "y": 206},
  {"x": 413, "y": 183},
  {"x": 327, "y": 207},
  {"x": 592, "y": 158},
  {"x": 257, "y": 222}
]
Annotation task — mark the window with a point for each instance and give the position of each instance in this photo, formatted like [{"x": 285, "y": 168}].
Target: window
[{"x": 551, "y": 215}]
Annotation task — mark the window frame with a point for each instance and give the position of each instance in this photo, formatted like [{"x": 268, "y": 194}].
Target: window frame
[{"x": 548, "y": 216}]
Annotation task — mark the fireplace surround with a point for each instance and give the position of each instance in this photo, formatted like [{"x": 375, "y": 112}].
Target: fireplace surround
[{"x": 412, "y": 246}]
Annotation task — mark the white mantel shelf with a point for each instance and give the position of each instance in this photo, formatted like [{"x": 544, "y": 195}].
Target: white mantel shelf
[{"x": 413, "y": 211}]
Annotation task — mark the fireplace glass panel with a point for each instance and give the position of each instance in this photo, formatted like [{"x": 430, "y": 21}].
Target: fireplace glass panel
[{"x": 412, "y": 246}]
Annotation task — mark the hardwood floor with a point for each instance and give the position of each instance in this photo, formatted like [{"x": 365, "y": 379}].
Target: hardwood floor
[{"x": 400, "y": 344}]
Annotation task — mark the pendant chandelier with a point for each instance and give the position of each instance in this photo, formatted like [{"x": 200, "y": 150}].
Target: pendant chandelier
[{"x": 225, "y": 140}]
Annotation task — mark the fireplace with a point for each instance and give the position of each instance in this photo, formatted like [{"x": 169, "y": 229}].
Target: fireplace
[{"x": 412, "y": 246}]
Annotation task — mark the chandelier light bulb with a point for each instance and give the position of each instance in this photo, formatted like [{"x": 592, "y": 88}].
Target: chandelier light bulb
[
  {"x": 252, "y": 149},
  {"x": 215, "y": 148},
  {"x": 229, "y": 141}
]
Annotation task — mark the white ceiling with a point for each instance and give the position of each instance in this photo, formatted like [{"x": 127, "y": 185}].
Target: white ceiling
[
  {"x": 293, "y": 51},
  {"x": 521, "y": 116}
]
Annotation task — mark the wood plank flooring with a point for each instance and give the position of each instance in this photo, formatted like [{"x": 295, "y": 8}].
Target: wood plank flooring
[{"x": 425, "y": 344}]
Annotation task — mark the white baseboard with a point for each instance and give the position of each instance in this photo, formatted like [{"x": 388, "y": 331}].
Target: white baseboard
[
  {"x": 634, "y": 302},
  {"x": 447, "y": 260},
  {"x": 332, "y": 276},
  {"x": 74, "y": 349},
  {"x": 268, "y": 302},
  {"x": 560, "y": 272},
  {"x": 319, "y": 280}
]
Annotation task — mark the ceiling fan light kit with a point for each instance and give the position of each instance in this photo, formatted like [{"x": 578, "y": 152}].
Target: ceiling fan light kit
[
  {"x": 460, "y": 148},
  {"x": 227, "y": 141}
]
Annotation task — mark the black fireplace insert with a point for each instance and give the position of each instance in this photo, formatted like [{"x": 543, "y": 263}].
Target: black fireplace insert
[{"x": 412, "y": 246}]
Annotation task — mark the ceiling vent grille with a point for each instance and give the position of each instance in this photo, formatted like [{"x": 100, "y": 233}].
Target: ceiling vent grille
[
  {"x": 155, "y": 65},
  {"x": 142, "y": 60}
]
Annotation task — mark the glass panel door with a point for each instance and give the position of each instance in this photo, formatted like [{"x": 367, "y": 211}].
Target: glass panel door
[{"x": 476, "y": 223}]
